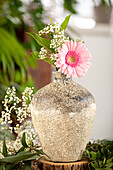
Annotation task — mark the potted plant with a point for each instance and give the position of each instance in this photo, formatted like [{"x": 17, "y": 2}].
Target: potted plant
[
  {"x": 63, "y": 112},
  {"x": 102, "y": 11}
]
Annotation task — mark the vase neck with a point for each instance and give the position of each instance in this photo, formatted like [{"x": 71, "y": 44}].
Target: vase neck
[{"x": 59, "y": 76}]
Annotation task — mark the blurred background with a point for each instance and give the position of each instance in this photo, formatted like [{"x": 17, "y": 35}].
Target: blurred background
[{"x": 91, "y": 20}]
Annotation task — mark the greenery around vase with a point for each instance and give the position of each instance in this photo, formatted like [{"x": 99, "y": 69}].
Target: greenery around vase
[
  {"x": 100, "y": 155},
  {"x": 21, "y": 159}
]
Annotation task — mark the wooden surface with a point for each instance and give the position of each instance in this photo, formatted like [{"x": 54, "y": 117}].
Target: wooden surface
[{"x": 43, "y": 164}]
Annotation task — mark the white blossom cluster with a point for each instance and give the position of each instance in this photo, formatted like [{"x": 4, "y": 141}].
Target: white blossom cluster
[
  {"x": 10, "y": 102},
  {"x": 43, "y": 53},
  {"x": 31, "y": 136},
  {"x": 14, "y": 146},
  {"x": 11, "y": 105},
  {"x": 12, "y": 110},
  {"x": 49, "y": 29},
  {"x": 57, "y": 40},
  {"x": 30, "y": 133}
]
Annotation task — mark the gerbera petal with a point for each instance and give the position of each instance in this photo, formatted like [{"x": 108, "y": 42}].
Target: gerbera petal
[
  {"x": 85, "y": 56},
  {"x": 58, "y": 64},
  {"x": 59, "y": 49},
  {"x": 79, "y": 71},
  {"x": 74, "y": 73},
  {"x": 74, "y": 45},
  {"x": 65, "y": 48},
  {"x": 70, "y": 70},
  {"x": 80, "y": 47},
  {"x": 62, "y": 60},
  {"x": 69, "y": 43},
  {"x": 73, "y": 59}
]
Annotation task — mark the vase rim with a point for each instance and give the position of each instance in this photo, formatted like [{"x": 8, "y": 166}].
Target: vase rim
[{"x": 59, "y": 76}]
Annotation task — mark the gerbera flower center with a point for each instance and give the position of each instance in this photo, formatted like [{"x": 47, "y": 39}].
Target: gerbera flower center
[{"x": 71, "y": 58}]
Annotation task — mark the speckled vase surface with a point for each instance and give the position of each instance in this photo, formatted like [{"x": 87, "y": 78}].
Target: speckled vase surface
[{"x": 63, "y": 114}]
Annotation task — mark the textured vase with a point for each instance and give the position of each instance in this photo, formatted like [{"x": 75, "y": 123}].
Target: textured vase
[{"x": 63, "y": 114}]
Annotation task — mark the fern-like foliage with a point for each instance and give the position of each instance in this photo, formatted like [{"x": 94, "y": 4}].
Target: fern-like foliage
[{"x": 11, "y": 59}]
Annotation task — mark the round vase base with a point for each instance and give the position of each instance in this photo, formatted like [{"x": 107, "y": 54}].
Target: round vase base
[{"x": 43, "y": 164}]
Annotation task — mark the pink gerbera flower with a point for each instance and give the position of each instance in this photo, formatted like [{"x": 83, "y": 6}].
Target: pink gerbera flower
[{"x": 73, "y": 59}]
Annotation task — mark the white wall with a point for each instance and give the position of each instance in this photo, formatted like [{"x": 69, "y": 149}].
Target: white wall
[{"x": 99, "y": 79}]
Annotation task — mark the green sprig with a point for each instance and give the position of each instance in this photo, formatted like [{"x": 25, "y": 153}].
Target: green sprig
[{"x": 100, "y": 155}]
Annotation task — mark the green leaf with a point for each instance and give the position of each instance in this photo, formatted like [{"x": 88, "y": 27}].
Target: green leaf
[
  {"x": 88, "y": 153},
  {"x": 41, "y": 152},
  {"x": 19, "y": 157},
  {"x": 105, "y": 141},
  {"x": 21, "y": 149},
  {"x": 110, "y": 3},
  {"x": 4, "y": 147},
  {"x": 94, "y": 164},
  {"x": 48, "y": 60},
  {"x": 98, "y": 155},
  {"x": 33, "y": 158},
  {"x": 110, "y": 155},
  {"x": 109, "y": 165},
  {"x": 100, "y": 164},
  {"x": 42, "y": 41},
  {"x": 12, "y": 56},
  {"x": 93, "y": 154},
  {"x": 65, "y": 23},
  {"x": 105, "y": 151},
  {"x": 111, "y": 146},
  {"x": 24, "y": 140},
  {"x": 109, "y": 160},
  {"x": 51, "y": 21}
]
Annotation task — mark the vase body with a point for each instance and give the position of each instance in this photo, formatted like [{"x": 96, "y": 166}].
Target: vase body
[{"x": 63, "y": 114}]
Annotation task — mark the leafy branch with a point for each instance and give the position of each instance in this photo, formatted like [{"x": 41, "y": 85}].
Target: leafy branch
[
  {"x": 14, "y": 160},
  {"x": 45, "y": 41},
  {"x": 100, "y": 155}
]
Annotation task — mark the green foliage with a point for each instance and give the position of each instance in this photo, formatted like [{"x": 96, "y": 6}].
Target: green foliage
[
  {"x": 42, "y": 41},
  {"x": 45, "y": 42},
  {"x": 24, "y": 141},
  {"x": 105, "y": 3},
  {"x": 4, "y": 147},
  {"x": 22, "y": 158},
  {"x": 70, "y": 6},
  {"x": 51, "y": 21},
  {"x": 110, "y": 3},
  {"x": 14, "y": 61},
  {"x": 18, "y": 157},
  {"x": 9, "y": 135},
  {"x": 11, "y": 56},
  {"x": 65, "y": 23},
  {"x": 100, "y": 155},
  {"x": 48, "y": 60}
]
